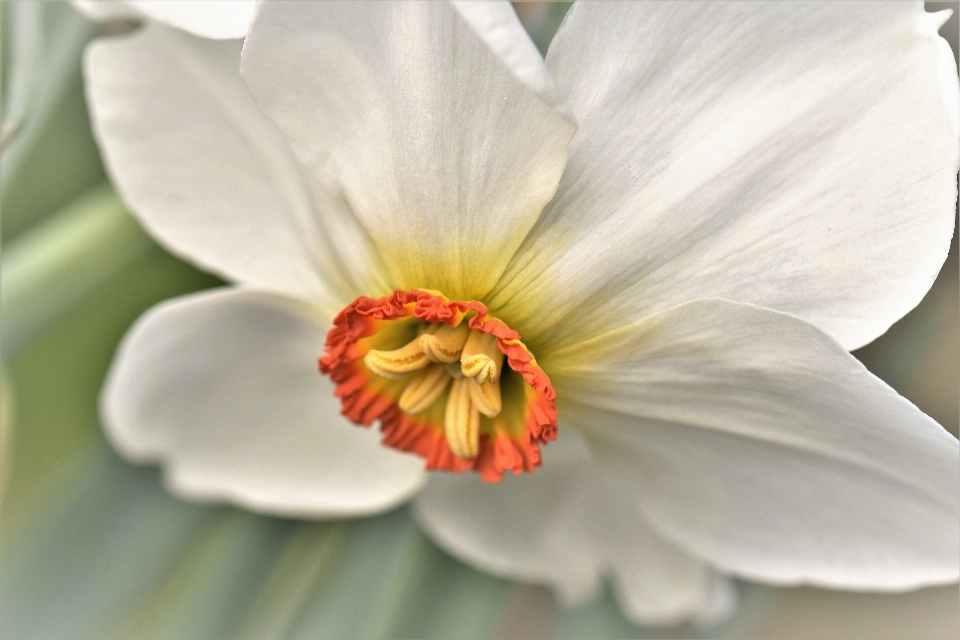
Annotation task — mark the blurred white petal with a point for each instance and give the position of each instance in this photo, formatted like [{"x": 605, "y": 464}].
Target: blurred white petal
[
  {"x": 564, "y": 526},
  {"x": 222, "y": 389},
  {"x": 210, "y": 177},
  {"x": 218, "y": 19},
  {"x": 757, "y": 443}
]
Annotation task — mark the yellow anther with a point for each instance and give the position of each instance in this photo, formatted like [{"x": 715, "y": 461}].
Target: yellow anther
[
  {"x": 481, "y": 359},
  {"x": 461, "y": 420},
  {"x": 486, "y": 398},
  {"x": 446, "y": 343},
  {"x": 424, "y": 389},
  {"x": 399, "y": 363},
  {"x": 431, "y": 361}
]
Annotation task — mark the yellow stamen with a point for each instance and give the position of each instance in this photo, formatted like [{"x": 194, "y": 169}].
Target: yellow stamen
[
  {"x": 461, "y": 420},
  {"x": 446, "y": 343},
  {"x": 442, "y": 354},
  {"x": 486, "y": 398},
  {"x": 481, "y": 359},
  {"x": 399, "y": 363},
  {"x": 424, "y": 389}
]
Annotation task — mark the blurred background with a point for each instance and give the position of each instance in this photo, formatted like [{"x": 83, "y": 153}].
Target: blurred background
[{"x": 91, "y": 547}]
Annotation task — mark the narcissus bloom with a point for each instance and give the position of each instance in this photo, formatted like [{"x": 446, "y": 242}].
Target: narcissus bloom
[{"x": 595, "y": 309}]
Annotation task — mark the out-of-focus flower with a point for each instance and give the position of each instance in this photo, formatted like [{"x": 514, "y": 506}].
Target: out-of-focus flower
[{"x": 671, "y": 231}]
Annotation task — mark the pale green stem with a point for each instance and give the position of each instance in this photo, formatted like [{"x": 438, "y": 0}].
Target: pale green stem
[
  {"x": 48, "y": 269},
  {"x": 6, "y": 431},
  {"x": 193, "y": 588},
  {"x": 301, "y": 567},
  {"x": 400, "y": 579}
]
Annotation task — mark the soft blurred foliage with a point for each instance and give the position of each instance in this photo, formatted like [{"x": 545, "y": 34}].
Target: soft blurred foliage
[
  {"x": 51, "y": 157},
  {"x": 92, "y": 547}
]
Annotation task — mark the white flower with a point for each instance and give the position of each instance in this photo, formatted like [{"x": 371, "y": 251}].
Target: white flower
[{"x": 689, "y": 213}]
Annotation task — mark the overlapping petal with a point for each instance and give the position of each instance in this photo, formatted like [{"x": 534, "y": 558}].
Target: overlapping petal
[
  {"x": 765, "y": 153},
  {"x": 222, "y": 388},
  {"x": 438, "y": 119},
  {"x": 207, "y": 18},
  {"x": 564, "y": 526},
  {"x": 757, "y": 443},
  {"x": 211, "y": 178},
  {"x": 799, "y": 156}
]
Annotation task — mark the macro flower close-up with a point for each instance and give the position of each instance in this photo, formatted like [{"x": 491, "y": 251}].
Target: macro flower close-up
[{"x": 588, "y": 313}]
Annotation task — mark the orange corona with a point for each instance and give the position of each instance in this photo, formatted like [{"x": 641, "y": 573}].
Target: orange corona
[{"x": 431, "y": 370}]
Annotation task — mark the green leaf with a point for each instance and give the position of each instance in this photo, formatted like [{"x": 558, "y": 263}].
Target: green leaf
[
  {"x": 58, "y": 262},
  {"x": 52, "y": 157},
  {"x": 301, "y": 567},
  {"x": 23, "y": 74}
]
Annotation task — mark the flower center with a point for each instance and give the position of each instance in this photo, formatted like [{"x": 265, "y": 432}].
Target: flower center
[
  {"x": 440, "y": 355},
  {"x": 445, "y": 380}
]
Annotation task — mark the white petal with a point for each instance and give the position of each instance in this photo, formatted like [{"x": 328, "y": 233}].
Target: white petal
[
  {"x": 948, "y": 84},
  {"x": 496, "y": 23},
  {"x": 561, "y": 525},
  {"x": 207, "y": 18},
  {"x": 757, "y": 443},
  {"x": 210, "y": 177},
  {"x": 103, "y": 11},
  {"x": 222, "y": 389},
  {"x": 437, "y": 119},
  {"x": 799, "y": 156}
]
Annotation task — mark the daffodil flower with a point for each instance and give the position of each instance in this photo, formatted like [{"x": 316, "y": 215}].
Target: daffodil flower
[{"x": 599, "y": 306}]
